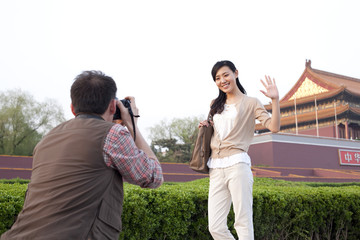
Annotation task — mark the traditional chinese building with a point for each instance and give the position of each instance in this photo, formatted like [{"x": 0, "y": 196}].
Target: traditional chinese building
[{"x": 322, "y": 104}]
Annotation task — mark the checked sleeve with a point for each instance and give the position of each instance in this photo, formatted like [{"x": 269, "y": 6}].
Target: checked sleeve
[{"x": 121, "y": 153}]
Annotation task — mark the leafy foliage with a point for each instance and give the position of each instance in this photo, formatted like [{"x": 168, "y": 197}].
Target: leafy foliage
[
  {"x": 174, "y": 141},
  {"x": 23, "y": 121},
  {"x": 282, "y": 210},
  {"x": 11, "y": 202}
]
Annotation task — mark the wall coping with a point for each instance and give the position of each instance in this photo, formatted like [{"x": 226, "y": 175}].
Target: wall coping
[{"x": 305, "y": 140}]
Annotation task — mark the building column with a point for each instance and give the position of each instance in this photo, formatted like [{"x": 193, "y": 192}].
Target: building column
[{"x": 346, "y": 130}]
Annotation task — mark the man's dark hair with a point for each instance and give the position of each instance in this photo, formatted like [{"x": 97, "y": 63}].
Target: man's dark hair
[{"x": 92, "y": 92}]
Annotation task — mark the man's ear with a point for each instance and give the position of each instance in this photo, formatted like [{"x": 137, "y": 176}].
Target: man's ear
[
  {"x": 72, "y": 109},
  {"x": 113, "y": 107}
]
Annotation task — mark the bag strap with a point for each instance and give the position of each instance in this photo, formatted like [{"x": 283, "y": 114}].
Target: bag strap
[{"x": 209, "y": 118}]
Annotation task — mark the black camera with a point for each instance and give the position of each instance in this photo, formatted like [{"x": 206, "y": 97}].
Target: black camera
[
  {"x": 126, "y": 103},
  {"x": 117, "y": 115}
]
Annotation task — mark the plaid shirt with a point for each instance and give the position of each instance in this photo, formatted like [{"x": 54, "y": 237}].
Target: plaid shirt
[{"x": 121, "y": 153}]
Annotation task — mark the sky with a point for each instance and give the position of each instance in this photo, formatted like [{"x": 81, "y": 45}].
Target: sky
[{"x": 162, "y": 51}]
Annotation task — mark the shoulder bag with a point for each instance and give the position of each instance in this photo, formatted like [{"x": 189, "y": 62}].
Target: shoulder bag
[{"x": 202, "y": 150}]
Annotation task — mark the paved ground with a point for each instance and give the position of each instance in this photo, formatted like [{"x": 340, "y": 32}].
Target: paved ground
[
  {"x": 308, "y": 174},
  {"x": 16, "y": 166}
]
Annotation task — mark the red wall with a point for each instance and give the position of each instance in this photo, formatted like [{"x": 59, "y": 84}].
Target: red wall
[{"x": 292, "y": 154}]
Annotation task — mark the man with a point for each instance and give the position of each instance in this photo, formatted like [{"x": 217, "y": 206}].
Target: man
[{"x": 76, "y": 187}]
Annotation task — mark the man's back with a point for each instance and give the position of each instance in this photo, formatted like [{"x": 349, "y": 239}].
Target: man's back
[{"x": 72, "y": 192}]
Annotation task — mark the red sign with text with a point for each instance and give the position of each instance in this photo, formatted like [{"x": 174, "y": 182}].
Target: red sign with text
[{"x": 349, "y": 157}]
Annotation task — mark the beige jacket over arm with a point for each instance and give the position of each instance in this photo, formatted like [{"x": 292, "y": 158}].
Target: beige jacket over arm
[{"x": 240, "y": 137}]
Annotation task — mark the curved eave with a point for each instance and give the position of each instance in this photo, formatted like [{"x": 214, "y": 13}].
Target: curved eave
[
  {"x": 308, "y": 99},
  {"x": 352, "y": 84},
  {"x": 355, "y": 110},
  {"x": 310, "y": 116},
  {"x": 351, "y": 92},
  {"x": 313, "y": 76},
  {"x": 331, "y": 81},
  {"x": 317, "y": 77}
]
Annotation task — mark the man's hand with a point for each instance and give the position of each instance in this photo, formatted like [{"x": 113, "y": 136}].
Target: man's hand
[{"x": 125, "y": 115}]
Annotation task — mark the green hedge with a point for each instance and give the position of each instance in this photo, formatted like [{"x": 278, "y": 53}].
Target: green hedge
[
  {"x": 11, "y": 202},
  {"x": 282, "y": 210},
  {"x": 290, "y": 212}
]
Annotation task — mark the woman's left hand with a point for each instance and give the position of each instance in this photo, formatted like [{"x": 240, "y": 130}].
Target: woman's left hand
[{"x": 271, "y": 89}]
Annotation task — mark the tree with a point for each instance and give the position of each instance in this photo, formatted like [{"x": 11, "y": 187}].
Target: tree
[
  {"x": 174, "y": 141},
  {"x": 23, "y": 121}
]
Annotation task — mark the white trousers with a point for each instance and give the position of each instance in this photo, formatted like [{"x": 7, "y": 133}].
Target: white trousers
[{"x": 231, "y": 185}]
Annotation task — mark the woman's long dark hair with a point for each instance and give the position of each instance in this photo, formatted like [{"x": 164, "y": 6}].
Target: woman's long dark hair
[{"x": 218, "y": 104}]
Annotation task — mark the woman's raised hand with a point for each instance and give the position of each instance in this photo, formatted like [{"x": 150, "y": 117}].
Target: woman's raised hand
[{"x": 271, "y": 89}]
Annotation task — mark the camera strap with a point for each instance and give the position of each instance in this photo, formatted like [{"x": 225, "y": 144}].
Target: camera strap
[{"x": 133, "y": 122}]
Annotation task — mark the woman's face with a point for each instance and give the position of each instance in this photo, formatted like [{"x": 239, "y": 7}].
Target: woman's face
[{"x": 225, "y": 79}]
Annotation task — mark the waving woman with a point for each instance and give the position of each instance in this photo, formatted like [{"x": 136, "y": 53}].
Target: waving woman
[{"x": 231, "y": 180}]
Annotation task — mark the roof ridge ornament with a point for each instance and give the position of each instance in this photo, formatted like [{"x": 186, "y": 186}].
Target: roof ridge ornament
[{"x": 308, "y": 63}]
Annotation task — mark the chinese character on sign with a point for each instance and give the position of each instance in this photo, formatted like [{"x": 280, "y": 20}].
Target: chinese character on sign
[
  {"x": 357, "y": 157},
  {"x": 349, "y": 157}
]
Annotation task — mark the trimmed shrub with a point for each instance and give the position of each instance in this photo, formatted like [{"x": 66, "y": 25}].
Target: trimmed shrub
[
  {"x": 307, "y": 213},
  {"x": 174, "y": 211},
  {"x": 282, "y": 210},
  {"x": 11, "y": 202}
]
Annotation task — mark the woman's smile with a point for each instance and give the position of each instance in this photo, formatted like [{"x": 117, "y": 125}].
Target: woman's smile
[{"x": 225, "y": 86}]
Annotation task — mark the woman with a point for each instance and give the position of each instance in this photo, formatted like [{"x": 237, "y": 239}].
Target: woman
[{"x": 231, "y": 179}]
